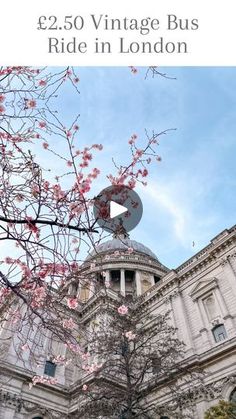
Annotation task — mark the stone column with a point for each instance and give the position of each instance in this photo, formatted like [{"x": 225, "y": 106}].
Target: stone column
[
  {"x": 206, "y": 342},
  {"x": 107, "y": 279},
  {"x": 225, "y": 312},
  {"x": 152, "y": 280},
  {"x": 230, "y": 273},
  {"x": 182, "y": 320},
  {"x": 92, "y": 289},
  {"x": 122, "y": 282},
  {"x": 138, "y": 283}
]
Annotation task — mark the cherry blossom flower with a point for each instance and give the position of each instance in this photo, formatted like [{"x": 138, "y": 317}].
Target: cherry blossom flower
[
  {"x": 2, "y": 109},
  {"x": 72, "y": 303},
  {"x": 68, "y": 324},
  {"x": 130, "y": 335},
  {"x": 45, "y": 145},
  {"x": 61, "y": 360},
  {"x": 42, "y": 83},
  {"x": 122, "y": 310},
  {"x": 130, "y": 250},
  {"x": 31, "y": 103},
  {"x": 98, "y": 146},
  {"x": 25, "y": 347},
  {"x": 42, "y": 124},
  {"x": 2, "y": 98},
  {"x": 9, "y": 260},
  {"x": 43, "y": 380},
  {"x": 85, "y": 387}
]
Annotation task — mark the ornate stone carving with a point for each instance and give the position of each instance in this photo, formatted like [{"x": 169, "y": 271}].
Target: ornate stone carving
[{"x": 9, "y": 399}]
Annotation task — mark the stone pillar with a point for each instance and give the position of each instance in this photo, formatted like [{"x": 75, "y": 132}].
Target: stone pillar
[
  {"x": 138, "y": 283},
  {"x": 152, "y": 280},
  {"x": 230, "y": 273},
  {"x": 230, "y": 329},
  {"x": 92, "y": 289},
  {"x": 204, "y": 324},
  {"x": 182, "y": 321},
  {"x": 122, "y": 282},
  {"x": 107, "y": 279}
]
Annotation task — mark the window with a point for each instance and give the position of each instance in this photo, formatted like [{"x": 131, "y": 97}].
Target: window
[
  {"x": 50, "y": 369},
  {"x": 129, "y": 276},
  {"x": 115, "y": 276},
  {"x": 115, "y": 280},
  {"x": 219, "y": 333},
  {"x": 156, "y": 279},
  {"x": 84, "y": 293},
  {"x": 100, "y": 278},
  {"x": 210, "y": 306},
  {"x": 232, "y": 396}
]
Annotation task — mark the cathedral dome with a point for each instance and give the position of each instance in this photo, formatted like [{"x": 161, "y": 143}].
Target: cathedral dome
[{"x": 122, "y": 244}]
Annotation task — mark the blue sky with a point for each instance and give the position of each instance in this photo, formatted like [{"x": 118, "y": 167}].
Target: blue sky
[{"x": 191, "y": 193}]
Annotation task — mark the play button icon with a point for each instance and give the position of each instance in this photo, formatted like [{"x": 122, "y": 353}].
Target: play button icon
[{"x": 117, "y": 208}]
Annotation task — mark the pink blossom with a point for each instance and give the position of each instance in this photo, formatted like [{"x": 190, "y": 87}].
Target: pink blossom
[
  {"x": 2, "y": 98},
  {"x": 31, "y": 103},
  {"x": 19, "y": 198},
  {"x": 25, "y": 347},
  {"x": 130, "y": 250},
  {"x": 9, "y": 260},
  {"x": 130, "y": 335},
  {"x": 42, "y": 124},
  {"x": 68, "y": 324},
  {"x": 61, "y": 360},
  {"x": 45, "y": 145},
  {"x": 98, "y": 146},
  {"x": 85, "y": 387},
  {"x": 72, "y": 303},
  {"x": 122, "y": 310},
  {"x": 2, "y": 109},
  {"x": 43, "y": 380},
  {"x": 42, "y": 83}
]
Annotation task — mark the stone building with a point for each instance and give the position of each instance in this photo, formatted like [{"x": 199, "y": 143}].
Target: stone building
[{"x": 201, "y": 297}]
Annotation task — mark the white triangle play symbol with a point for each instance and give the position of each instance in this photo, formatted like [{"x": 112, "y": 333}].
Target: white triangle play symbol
[{"x": 116, "y": 209}]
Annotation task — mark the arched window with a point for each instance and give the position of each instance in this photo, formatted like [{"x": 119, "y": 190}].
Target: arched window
[
  {"x": 219, "y": 333},
  {"x": 210, "y": 305},
  {"x": 232, "y": 396},
  {"x": 84, "y": 293}
]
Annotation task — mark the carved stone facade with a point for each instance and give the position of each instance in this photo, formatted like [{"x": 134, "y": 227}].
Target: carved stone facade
[{"x": 201, "y": 297}]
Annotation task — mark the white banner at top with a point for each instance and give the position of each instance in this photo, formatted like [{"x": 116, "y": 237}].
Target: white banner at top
[{"x": 109, "y": 33}]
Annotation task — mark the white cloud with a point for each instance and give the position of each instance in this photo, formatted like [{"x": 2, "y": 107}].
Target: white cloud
[{"x": 182, "y": 217}]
